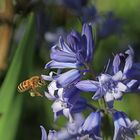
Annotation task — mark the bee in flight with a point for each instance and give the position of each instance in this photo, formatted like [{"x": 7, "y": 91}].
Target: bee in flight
[{"x": 31, "y": 85}]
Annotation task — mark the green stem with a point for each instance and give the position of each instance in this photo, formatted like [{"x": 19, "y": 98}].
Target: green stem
[
  {"x": 102, "y": 103},
  {"x": 88, "y": 67}
]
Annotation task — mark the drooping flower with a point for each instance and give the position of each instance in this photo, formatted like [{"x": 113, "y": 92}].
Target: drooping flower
[
  {"x": 66, "y": 78},
  {"x": 77, "y": 52},
  {"x": 44, "y": 133},
  {"x": 69, "y": 77},
  {"x": 70, "y": 131},
  {"x": 90, "y": 14},
  {"x": 91, "y": 126},
  {"x": 66, "y": 100},
  {"x": 62, "y": 107},
  {"x": 74, "y": 53},
  {"x": 112, "y": 86},
  {"x": 52, "y": 135},
  {"x": 124, "y": 128},
  {"x": 109, "y": 25},
  {"x": 79, "y": 129},
  {"x": 75, "y": 5}
]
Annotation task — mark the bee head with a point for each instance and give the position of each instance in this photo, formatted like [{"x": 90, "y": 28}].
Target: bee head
[{"x": 42, "y": 81}]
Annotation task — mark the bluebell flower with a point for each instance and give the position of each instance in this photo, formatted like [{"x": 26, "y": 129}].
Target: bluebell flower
[
  {"x": 74, "y": 53},
  {"x": 130, "y": 70},
  {"x": 76, "y": 130},
  {"x": 44, "y": 133},
  {"x": 133, "y": 68},
  {"x": 125, "y": 129},
  {"x": 66, "y": 100},
  {"x": 63, "y": 107},
  {"x": 71, "y": 129},
  {"x": 109, "y": 25},
  {"x": 77, "y": 52},
  {"x": 112, "y": 86},
  {"x": 64, "y": 79},
  {"x": 52, "y": 135},
  {"x": 89, "y": 14},
  {"x": 68, "y": 78},
  {"x": 75, "y": 5},
  {"x": 49, "y": 77},
  {"x": 52, "y": 89},
  {"x": 92, "y": 125}
]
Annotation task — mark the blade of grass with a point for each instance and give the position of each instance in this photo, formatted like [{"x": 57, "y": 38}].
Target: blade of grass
[
  {"x": 9, "y": 86},
  {"x": 12, "y": 118}
]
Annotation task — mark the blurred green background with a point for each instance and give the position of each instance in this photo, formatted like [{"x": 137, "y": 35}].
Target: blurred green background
[{"x": 27, "y": 31}]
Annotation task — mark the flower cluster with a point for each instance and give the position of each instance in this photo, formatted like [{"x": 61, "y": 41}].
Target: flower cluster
[
  {"x": 72, "y": 61},
  {"x": 78, "y": 129},
  {"x": 86, "y": 13}
]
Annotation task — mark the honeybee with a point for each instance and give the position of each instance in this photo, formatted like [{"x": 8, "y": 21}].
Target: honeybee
[{"x": 31, "y": 85}]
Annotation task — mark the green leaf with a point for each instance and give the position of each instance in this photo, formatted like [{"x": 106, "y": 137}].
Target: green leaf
[
  {"x": 8, "y": 90},
  {"x": 12, "y": 118}
]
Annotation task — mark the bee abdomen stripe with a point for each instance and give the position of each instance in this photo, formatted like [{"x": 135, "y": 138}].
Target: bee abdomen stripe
[
  {"x": 23, "y": 86},
  {"x": 20, "y": 87}
]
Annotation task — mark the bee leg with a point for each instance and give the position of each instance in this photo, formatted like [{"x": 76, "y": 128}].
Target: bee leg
[
  {"x": 38, "y": 94},
  {"x": 33, "y": 93}
]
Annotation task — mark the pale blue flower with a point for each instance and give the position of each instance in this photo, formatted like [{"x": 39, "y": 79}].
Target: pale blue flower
[
  {"x": 74, "y": 53},
  {"x": 124, "y": 128},
  {"x": 66, "y": 100},
  {"x": 69, "y": 77},
  {"x": 92, "y": 125},
  {"x": 109, "y": 25},
  {"x": 52, "y": 135},
  {"x": 112, "y": 86}
]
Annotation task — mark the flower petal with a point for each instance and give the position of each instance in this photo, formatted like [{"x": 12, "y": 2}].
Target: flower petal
[
  {"x": 87, "y": 85},
  {"x": 71, "y": 94},
  {"x": 53, "y": 64},
  {"x": 52, "y": 135},
  {"x": 129, "y": 60},
  {"x": 116, "y": 63},
  {"x": 64, "y": 46},
  {"x": 124, "y": 128},
  {"x": 122, "y": 87},
  {"x": 49, "y": 96},
  {"x": 117, "y": 95},
  {"x": 133, "y": 84},
  {"x": 79, "y": 106},
  {"x": 68, "y": 78},
  {"x": 109, "y": 99},
  {"x": 44, "y": 134},
  {"x": 118, "y": 76},
  {"x": 134, "y": 72},
  {"x": 52, "y": 88},
  {"x": 67, "y": 113},
  {"x": 92, "y": 124},
  {"x": 47, "y": 78},
  {"x": 57, "y": 106},
  {"x": 87, "y": 31},
  {"x": 62, "y": 56},
  {"x": 98, "y": 94}
]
